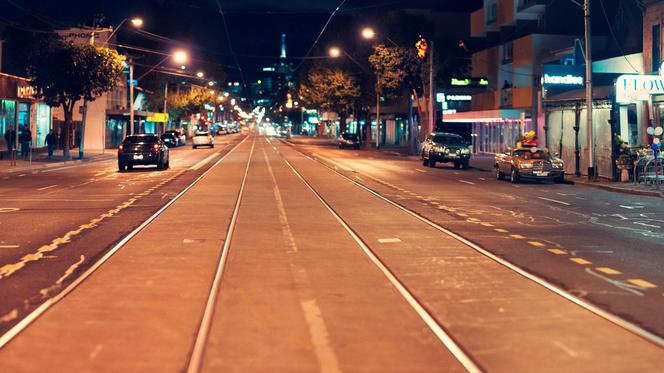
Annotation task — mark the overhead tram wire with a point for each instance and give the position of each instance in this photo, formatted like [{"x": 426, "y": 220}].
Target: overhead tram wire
[
  {"x": 329, "y": 19},
  {"x": 608, "y": 23},
  {"x": 230, "y": 47}
]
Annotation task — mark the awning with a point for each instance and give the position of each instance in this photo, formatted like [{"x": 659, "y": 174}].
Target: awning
[
  {"x": 599, "y": 93},
  {"x": 480, "y": 116}
]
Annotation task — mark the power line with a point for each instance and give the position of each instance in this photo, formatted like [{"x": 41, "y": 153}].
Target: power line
[
  {"x": 606, "y": 17},
  {"x": 230, "y": 46}
]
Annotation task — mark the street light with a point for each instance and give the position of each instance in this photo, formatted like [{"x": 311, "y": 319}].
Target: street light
[
  {"x": 137, "y": 22},
  {"x": 368, "y": 33},
  {"x": 335, "y": 52},
  {"x": 180, "y": 57},
  {"x": 200, "y": 74},
  {"x": 210, "y": 83}
]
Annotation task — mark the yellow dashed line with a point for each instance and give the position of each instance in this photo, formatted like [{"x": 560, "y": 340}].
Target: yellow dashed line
[
  {"x": 487, "y": 224},
  {"x": 642, "y": 283},
  {"x": 462, "y": 214},
  {"x": 536, "y": 243},
  {"x": 501, "y": 230},
  {"x": 517, "y": 236},
  {"x": 558, "y": 251},
  {"x": 608, "y": 271},
  {"x": 581, "y": 261}
]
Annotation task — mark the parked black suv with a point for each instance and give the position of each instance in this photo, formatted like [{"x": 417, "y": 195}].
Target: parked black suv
[
  {"x": 142, "y": 150},
  {"x": 445, "y": 147}
]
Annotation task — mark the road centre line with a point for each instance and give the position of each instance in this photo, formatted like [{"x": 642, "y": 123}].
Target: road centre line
[
  {"x": 554, "y": 201},
  {"x": 466, "y": 182},
  {"x": 646, "y": 225},
  {"x": 389, "y": 240},
  {"x": 9, "y": 246},
  {"x": 418, "y": 170},
  {"x": 48, "y": 187},
  {"x": 203, "y": 162},
  {"x": 631, "y": 207}
]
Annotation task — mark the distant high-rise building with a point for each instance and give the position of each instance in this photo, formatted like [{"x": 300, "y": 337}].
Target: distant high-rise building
[{"x": 276, "y": 80}]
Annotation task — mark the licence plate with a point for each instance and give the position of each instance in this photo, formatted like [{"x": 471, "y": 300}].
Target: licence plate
[
  {"x": 452, "y": 155},
  {"x": 541, "y": 173},
  {"x": 138, "y": 156}
]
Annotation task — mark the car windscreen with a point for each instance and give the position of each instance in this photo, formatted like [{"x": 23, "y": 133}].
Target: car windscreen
[
  {"x": 349, "y": 136},
  {"x": 449, "y": 140},
  {"x": 202, "y": 134},
  {"x": 527, "y": 154},
  {"x": 140, "y": 139}
]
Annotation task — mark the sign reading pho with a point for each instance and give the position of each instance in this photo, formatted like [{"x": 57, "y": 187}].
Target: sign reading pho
[
  {"x": 633, "y": 88},
  {"x": 563, "y": 76}
]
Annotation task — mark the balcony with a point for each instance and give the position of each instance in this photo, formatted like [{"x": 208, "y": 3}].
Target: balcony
[{"x": 531, "y": 6}]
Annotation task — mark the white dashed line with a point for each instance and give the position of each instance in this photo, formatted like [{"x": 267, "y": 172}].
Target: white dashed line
[
  {"x": 554, "y": 201},
  {"x": 48, "y": 187},
  {"x": 467, "y": 182}
]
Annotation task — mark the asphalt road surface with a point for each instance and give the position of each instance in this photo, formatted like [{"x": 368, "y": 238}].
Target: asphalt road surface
[{"x": 295, "y": 256}]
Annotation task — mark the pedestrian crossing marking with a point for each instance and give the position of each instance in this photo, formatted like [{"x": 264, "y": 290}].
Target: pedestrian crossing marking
[
  {"x": 642, "y": 283},
  {"x": 580, "y": 261}
]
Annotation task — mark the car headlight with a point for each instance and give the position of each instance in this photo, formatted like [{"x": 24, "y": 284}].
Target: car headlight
[
  {"x": 557, "y": 165},
  {"x": 526, "y": 165},
  {"x": 464, "y": 151},
  {"x": 440, "y": 149}
]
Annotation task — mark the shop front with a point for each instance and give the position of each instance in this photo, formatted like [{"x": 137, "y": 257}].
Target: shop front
[{"x": 493, "y": 131}]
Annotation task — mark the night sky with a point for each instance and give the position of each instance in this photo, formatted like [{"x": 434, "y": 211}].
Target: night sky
[{"x": 255, "y": 26}]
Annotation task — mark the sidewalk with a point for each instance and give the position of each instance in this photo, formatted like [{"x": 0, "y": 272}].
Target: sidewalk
[
  {"x": 485, "y": 162},
  {"x": 41, "y": 160}
]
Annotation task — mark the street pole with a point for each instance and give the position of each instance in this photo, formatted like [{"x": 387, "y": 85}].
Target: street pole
[
  {"x": 166, "y": 103},
  {"x": 84, "y": 114},
  {"x": 377, "y": 120},
  {"x": 589, "y": 91},
  {"x": 432, "y": 115},
  {"x": 130, "y": 128}
]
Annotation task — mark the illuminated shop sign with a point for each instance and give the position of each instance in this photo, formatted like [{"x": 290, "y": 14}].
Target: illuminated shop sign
[
  {"x": 563, "y": 76},
  {"x": 633, "y": 88},
  {"x": 469, "y": 82},
  {"x": 442, "y": 97}
]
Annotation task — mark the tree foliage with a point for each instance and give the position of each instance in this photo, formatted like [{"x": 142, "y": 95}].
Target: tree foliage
[
  {"x": 397, "y": 70},
  {"x": 63, "y": 73},
  {"x": 330, "y": 89}
]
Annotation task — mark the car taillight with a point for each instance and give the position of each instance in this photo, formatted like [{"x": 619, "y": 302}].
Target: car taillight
[
  {"x": 155, "y": 148},
  {"x": 120, "y": 148}
]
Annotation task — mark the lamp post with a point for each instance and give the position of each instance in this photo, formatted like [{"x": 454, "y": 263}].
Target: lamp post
[{"x": 589, "y": 90}]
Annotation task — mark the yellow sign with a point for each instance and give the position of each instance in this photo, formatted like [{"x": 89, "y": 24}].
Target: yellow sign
[{"x": 158, "y": 117}]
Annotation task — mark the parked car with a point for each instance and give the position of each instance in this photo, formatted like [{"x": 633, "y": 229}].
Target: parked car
[
  {"x": 179, "y": 135},
  {"x": 146, "y": 149},
  {"x": 529, "y": 163},
  {"x": 202, "y": 138},
  {"x": 348, "y": 140},
  {"x": 445, "y": 147},
  {"x": 170, "y": 140}
]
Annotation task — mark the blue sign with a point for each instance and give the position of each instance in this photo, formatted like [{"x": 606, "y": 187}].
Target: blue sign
[{"x": 133, "y": 82}]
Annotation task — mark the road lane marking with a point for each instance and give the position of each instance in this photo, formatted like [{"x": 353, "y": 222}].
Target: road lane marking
[
  {"x": 608, "y": 271},
  {"x": 647, "y": 225},
  {"x": 517, "y": 236},
  {"x": 203, "y": 162},
  {"x": 557, "y": 251},
  {"x": 8, "y": 209},
  {"x": 483, "y": 179},
  {"x": 418, "y": 170},
  {"x": 9, "y": 246},
  {"x": 57, "y": 169},
  {"x": 581, "y": 261},
  {"x": 536, "y": 243},
  {"x": 631, "y": 207},
  {"x": 554, "y": 201},
  {"x": 641, "y": 283},
  {"x": 487, "y": 224},
  {"x": 389, "y": 240},
  {"x": 501, "y": 230},
  {"x": 467, "y": 182},
  {"x": 47, "y": 187}
]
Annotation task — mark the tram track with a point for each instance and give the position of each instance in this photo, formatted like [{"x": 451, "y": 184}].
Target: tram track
[{"x": 608, "y": 316}]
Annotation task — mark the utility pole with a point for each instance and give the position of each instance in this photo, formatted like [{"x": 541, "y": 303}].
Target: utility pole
[
  {"x": 377, "y": 120},
  {"x": 166, "y": 102},
  {"x": 84, "y": 113},
  {"x": 589, "y": 90},
  {"x": 130, "y": 128},
  {"x": 432, "y": 114}
]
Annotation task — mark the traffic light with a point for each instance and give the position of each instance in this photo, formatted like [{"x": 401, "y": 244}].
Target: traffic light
[{"x": 422, "y": 48}]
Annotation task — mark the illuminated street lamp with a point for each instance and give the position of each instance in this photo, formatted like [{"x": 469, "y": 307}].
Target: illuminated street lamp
[
  {"x": 137, "y": 22},
  {"x": 180, "y": 57},
  {"x": 200, "y": 74},
  {"x": 210, "y": 83},
  {"x": 335, "y": 52},
  {"x": 368, "y": 33}
]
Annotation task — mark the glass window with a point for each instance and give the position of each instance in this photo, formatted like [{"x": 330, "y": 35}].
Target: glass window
[
  {"x": 43, "y": 124},
  {"x": 656, "y": 49},
  {"x": 7, "y": 115}
]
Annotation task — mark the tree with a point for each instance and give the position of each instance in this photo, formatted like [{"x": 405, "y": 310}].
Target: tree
[
  {"x": 64, "y": 73},
  {"x": 330, "y": 89}
]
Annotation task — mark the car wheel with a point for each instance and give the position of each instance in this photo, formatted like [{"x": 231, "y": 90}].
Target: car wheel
[
  {"x": 560, "y": 179},
  {"x": 457, "y": 165},
  {"x": 211, "y": 146},
  {"x": 465, "y": 164},
  {"x": 499, "y": 175},
  {"x": 130, "y": 167},
  {"x": 432, "y": 163},
  {"x": 121, "y": 166},
  {"x": 193, "y": 146},
  {"x": 357, "y": 147},
  {"x": 514, "y": 176}
]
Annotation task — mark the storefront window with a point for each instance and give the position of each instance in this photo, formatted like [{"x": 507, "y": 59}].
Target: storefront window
[
  {"x": 114, "y": 133},
  {"x": 7, "y": 115},
  {"x": 43, "y": 124}
]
